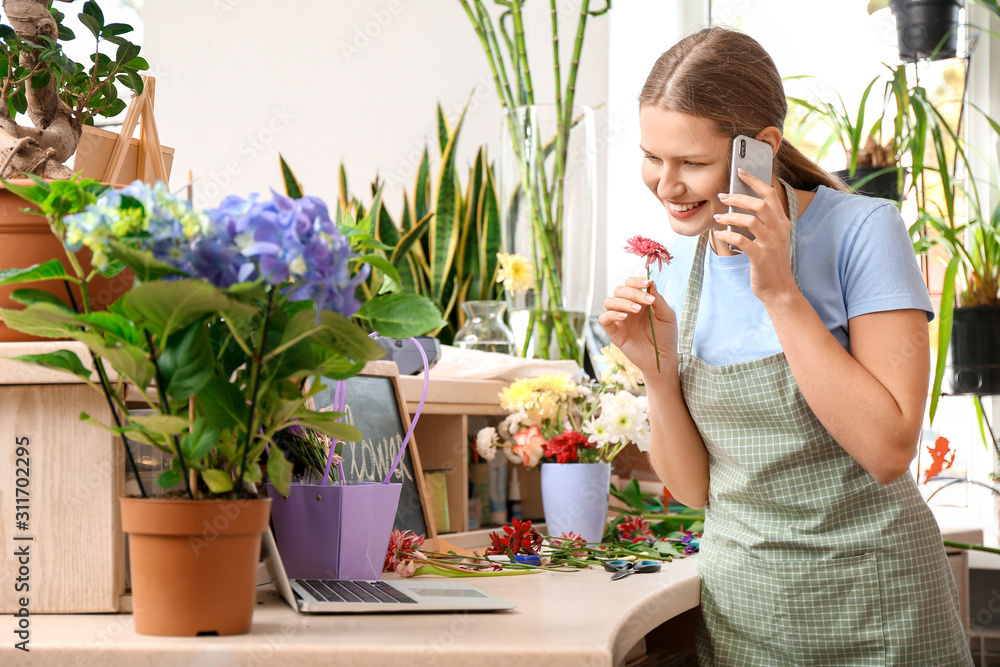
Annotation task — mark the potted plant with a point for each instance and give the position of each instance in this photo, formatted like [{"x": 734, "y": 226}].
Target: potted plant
[
  {"x": 45, "y": 101},
  {"x": 574, "y": 431},
  {"x": 234, "y": 312},
  {"x": 924, "y": 28},
  {"x": 444, "y": 243},
  {"x": 57, "y": 94},
  {"x": 874, "y": 154}
]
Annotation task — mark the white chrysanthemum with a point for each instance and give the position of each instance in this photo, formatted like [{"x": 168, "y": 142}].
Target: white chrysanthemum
[
  {"x": 620, "y": 370},
  {"x": 486, "y": 443},
  {"x": 511, "y": 424},
  {"x": 597, "y": 432}
]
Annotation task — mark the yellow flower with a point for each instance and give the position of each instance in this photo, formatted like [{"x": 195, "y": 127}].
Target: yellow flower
[{"x": 515, "y": 272}]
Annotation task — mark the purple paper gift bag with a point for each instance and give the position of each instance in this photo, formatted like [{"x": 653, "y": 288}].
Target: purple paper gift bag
[{"x": 338, "y": 531}]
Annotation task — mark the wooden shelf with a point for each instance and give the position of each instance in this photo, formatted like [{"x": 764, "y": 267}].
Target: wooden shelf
[{"x": 442, "y": 432}]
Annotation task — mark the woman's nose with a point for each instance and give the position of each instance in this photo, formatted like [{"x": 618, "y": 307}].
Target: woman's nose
[{"x": 668, "y": 185}]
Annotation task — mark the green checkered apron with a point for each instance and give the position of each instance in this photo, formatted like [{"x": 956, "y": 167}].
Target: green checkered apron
[{"x": 806, "y": 559}]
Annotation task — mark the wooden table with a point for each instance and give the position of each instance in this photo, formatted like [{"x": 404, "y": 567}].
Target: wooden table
[{"x": 575, "y": 618}]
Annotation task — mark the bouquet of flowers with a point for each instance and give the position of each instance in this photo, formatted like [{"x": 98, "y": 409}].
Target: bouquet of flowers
[{"x": 555, "y": 419}]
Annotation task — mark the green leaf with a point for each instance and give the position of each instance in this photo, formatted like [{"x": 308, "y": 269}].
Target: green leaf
[
  {"x": 164, "y": 425},
  {"x": 631, "y": 496},
  {"x": 401, "y": 315},
  {"x": 128, "y": 360},
  {"x": 279, "y": 470},
  {"x": 200, "y": 442},
  {"x": 42, "y": 319},
  {"x": 114, "y": 325},
  {"x": 222, "y": 405},
  {"x": 169, "y": 479},
  {"x": 445, "y": 228},
  {"x": 41, "y": 80},
  {"x": 217, "y": 481},
  {"x": 112, "y": 29},
  {"x": 60, "y": 360},
  {"x": 945, "y": 318},
  {"x": 382, "y": 264},
  {"x": 186, "y": 362},
  {"x": 166, "y": 306},
  {"x": 330, "y": 331},
  {"x": 327, "y": 423},
  {"x": 91, "y": 9},
  {"x": 50, "y": 270},
  {"x": 92, "y": 24},
  {"x": 145, "y": 267},
  {"x": 126, "y": 52},
  {"x": 32, "y": 296},
  {"x": 292, "y": 186}
]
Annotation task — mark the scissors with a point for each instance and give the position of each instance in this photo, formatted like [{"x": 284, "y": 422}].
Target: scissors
[{"x": 623, "y": 568}]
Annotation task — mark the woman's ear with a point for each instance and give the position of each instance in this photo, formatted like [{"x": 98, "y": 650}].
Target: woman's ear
[{"x": 772, "y": 136}]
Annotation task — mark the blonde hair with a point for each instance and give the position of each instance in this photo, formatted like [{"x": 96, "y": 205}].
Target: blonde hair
[{"x": 728, "y": 77}]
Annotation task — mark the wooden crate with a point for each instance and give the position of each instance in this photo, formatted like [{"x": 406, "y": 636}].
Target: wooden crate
[{"x": 75, "y": 477}]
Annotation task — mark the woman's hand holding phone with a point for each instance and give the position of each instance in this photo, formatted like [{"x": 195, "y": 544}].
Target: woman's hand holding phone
[
  {"x": 770, "y": 268},
  {"x": 627, "y": 325}
]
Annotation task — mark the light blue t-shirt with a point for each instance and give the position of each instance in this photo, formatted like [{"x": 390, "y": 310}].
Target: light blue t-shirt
[{"x": 854, "y": 257}]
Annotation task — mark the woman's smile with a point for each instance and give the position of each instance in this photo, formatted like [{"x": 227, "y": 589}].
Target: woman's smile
[{"x": 684, "y": 210}]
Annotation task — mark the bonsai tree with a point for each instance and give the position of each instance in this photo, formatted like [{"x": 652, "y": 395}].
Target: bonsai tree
[{"x": 57, "y": 94}]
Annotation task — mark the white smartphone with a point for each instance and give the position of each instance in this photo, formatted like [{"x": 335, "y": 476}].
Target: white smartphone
[{"x": 752, "y": 156}]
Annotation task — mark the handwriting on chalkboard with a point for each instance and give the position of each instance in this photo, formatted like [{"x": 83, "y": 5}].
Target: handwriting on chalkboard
[
  {"x": 374, "y": 407},
  {"x": 373, "y": 461}
]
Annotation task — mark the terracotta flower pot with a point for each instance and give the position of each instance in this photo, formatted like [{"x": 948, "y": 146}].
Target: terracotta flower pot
[
  {"x": 194, "y": 563},
  {"x": 25, "y": 240}
]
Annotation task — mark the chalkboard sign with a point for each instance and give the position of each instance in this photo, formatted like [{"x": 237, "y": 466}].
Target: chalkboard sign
[{"x": 374, "y": 406}]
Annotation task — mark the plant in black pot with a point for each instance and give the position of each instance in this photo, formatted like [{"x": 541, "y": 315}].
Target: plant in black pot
[
  {"x": 969, "y": 325},
  {"x": 924, "y": 28},
  {"x": 873, "y": 152}
]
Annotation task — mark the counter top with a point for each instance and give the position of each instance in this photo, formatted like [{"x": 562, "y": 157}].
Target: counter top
[{"x": 573, "y": 618}]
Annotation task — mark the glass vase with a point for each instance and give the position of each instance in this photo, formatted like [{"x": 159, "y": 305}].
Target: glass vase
[
  {"x": 484, "y": 328},
  {"x": 548, "y": 215}
]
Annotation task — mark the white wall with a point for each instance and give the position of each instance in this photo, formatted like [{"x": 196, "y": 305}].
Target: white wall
[{"x": 324, "y": 82}]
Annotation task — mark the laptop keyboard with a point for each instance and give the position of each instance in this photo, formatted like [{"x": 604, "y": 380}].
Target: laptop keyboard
[{"x": 333, "y": 590}]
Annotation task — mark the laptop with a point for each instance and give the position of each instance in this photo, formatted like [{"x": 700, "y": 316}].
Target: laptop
[{"x": 337, "y": 596}]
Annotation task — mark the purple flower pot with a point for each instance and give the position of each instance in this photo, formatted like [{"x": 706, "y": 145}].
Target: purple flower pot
[
  {"x": 575, "y": 498},
  {"x": 338, "y": 531}
]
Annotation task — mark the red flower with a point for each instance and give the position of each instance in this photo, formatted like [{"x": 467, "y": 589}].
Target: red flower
[
  {"x": 635, "y": 529},
  {"x": 565, "y": 448},
  {"x": 650, "y": 249},
  {"x": 402, "y": 545},
  {"x": 520, "y": 538}
]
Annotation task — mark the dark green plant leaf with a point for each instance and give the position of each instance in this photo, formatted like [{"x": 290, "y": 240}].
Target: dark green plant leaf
[
  {"x": 292, "y": 186},
  {"x": 166, "y": 306},
  {"x": 186, "y": 362},
  {"x": 92, "y": 24},
  {"x": 382, "y": 264},
  {"x": 333, "y": 332},
  {"x": 197, "y": 444},
  {"x": 45, "y": 320},
  {"x": 50, "y": 270},
  {"x": 113, "y": 29},
  {"x": 401, "y": 315},
  {"x": 60, "y": 360},
  {"x": 29, "y": 297},
  {"x": 169, "y": 479},
  {"x": 222, "y": 405},
  {"x": 279, "y": 470}
]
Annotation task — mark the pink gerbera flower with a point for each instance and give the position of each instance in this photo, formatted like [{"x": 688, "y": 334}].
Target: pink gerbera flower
[
  {"x": 650, "y": 249},
  {"x": 653, "y": 252}
]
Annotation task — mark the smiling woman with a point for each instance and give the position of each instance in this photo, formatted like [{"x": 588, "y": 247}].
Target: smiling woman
[{"x": 784, "y": 404}]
